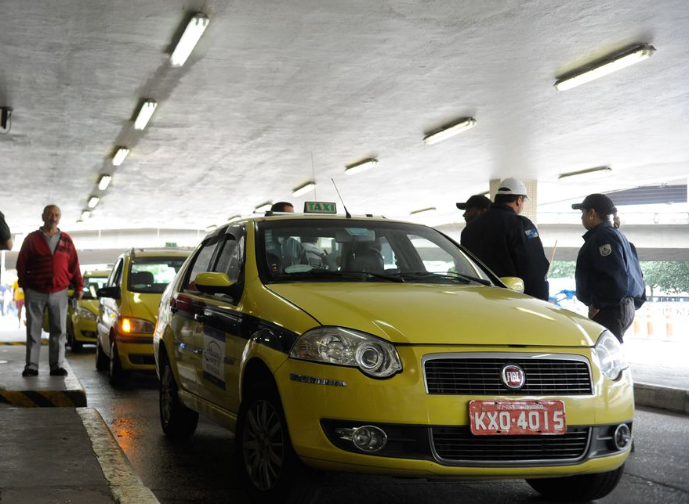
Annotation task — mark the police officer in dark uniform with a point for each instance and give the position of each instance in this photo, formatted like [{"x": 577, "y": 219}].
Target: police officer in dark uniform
[
  {"x": 608, "y": 275},
  {"x": 508, "y": 243}
]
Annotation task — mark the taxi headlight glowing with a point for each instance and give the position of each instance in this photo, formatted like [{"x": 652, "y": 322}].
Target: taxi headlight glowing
[
  {"x": 85, "y": 314},
  {"x": 135, "y": 325},
  {"x": 346, "y": 347},
  {"x": 610, "y": 355}
]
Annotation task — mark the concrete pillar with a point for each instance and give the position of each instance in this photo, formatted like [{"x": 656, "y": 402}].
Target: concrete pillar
[{"x": 531, "y": 202}]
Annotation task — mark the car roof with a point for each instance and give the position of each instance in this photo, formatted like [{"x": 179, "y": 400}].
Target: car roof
[
  {"x": 139, "y": 253},
  {"x": 97, "y": 273}
]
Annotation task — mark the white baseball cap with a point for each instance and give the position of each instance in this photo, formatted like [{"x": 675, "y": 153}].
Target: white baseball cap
[{"x": 512, "y": 186}]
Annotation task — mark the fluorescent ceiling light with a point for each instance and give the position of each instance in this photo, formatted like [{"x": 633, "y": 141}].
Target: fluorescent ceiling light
[
  {"x": 360, "y": 166},
  {"x": 263, "y": 207},
  {"x": 423, "y": 210},
  {"x": 589, "y": 172},
  {"x": 120, "y": 155},
  {"x": 234, "y": 217},
  {"x": 93, "y": 201},
  {"x": 450, "y": 131},
  {"x": 605, "y": 66},
  {"x": 104, "y": 182},
  {"x": 145, "y": 114},
  {"x": 190, "y": 37},
  {"x": 303, "y": 189},
  {"x": 85, "y": 214}
]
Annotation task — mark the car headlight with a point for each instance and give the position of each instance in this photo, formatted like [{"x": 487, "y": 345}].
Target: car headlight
[
  {"x": 346, "y": 347},
  {"x": 610, "y": 355},
  {"x": 135, "y": 325},
  {"x": 86, "y": 314}
]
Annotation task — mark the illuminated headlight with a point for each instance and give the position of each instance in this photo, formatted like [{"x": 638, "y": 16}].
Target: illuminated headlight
[
  {"x": 135, "y": 325},
  {"x": 86, "y": 314},
  {"x": 346, "y": 347},
  {"x": 610, "y": 355}
]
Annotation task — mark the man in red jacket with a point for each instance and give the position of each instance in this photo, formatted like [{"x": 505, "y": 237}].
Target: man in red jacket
[{"x": 46, "y": 265}]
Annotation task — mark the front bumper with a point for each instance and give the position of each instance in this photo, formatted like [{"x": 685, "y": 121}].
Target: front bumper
[
  {"x": 85, "y": 331},
  {"x": 429, "y": 434},
  {"x": 136, "y": 352}
]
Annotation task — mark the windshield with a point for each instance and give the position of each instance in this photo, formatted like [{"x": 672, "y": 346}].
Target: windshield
[
  {"x": 356, "y": 251},
  {"x": 153, "y": 274},
  {"x": 96, "y": 283}
]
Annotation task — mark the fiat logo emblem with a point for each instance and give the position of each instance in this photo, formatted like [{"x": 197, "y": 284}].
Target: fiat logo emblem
[{"x": 513, "y": 376}]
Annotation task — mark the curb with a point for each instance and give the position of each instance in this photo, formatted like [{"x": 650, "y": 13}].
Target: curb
[
  {"x": 667, "y": 398},
  {"x": 125, "y": 485},
  {"x": 73, "y": 395}
]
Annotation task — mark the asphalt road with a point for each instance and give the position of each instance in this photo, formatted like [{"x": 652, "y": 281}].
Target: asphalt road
[{"x": 203, "y": 469}]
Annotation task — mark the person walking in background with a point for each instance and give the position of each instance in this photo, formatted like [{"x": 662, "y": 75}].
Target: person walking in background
[
  {"x": 18, "y": 294},
  {"x": 473, "y": 207},
  {"x": 5, "y": 235},
  {"x": 608, "y": 274},
  {"x": 508, "y": 243},
  {"x": 46, "y": 265}
]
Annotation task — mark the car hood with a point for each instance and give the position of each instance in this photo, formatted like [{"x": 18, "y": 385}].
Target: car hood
[
  {"x": 144, "y": 306},
  {"x": 441, "y": 314},
  {"x": 89, "y": 304}
]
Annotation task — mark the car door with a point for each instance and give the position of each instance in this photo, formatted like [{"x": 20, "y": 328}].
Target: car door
[
  {"x": 187, "y": 307},
  {"x": 222, "y": 322},
  {"x": 109, "y": 307}
]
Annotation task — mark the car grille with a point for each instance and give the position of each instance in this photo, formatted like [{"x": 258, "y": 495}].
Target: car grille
[
  {"x": 459, "y": 445},
  {"x": 482, "y": 376}
]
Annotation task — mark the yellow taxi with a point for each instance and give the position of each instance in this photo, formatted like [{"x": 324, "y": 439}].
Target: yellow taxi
[
  {"x": 330, "y": 343},
  {"x": 82, "y": 314},
  {"x": 128, "y": 308}
]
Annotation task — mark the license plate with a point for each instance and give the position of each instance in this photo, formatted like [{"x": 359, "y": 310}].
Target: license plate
[{"x": 517, "y": 418}]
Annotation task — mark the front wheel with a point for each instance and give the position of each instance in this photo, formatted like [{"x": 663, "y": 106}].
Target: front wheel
[
  {"x": 118, "y": 376},
  {"x": 269, "y": 468},
  {"x": 75, "y": 345},
  {"x": 584, "y": 488},
  {"x": 177, "y": 421}
]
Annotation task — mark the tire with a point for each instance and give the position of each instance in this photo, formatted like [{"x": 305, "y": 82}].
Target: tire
[
  {"x": 584, "y": 488},
  {"x": 178, "y": 421},
  {"x": 102, "y": 361},
  {"x": 75, "y": 345},
  {"x": 269, "y": 468},
  {"x": 118, "y": 376}
]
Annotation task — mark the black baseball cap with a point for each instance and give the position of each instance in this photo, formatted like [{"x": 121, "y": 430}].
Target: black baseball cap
[
  {"x": 476, "y": 201},
  {"x": 599, "y": 202}
]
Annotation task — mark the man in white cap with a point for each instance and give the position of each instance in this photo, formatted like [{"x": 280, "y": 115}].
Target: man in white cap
[{"x": 508, "y": 243}]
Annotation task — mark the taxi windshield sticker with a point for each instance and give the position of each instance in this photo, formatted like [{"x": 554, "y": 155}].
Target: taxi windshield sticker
[{"x": 213, "y": 356}]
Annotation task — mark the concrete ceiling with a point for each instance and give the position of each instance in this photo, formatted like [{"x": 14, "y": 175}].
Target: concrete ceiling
[{"x": 280, "y": 93}]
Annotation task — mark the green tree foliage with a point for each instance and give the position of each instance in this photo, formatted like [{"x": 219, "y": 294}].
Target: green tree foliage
[{"x": 667, "y": 276}]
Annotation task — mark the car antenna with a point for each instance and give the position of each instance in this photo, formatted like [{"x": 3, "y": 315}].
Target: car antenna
[{"x": 347, "y": 214}]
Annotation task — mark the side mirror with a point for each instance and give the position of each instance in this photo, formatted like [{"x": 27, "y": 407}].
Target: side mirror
[
  {"x": 109, "y": 292},
  {"x": 513, "y": 283},
  {"x": 214, "y": 283}
]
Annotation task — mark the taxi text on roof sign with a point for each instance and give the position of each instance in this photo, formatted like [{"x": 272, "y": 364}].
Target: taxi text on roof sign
[{"x": 320, "y": 207}]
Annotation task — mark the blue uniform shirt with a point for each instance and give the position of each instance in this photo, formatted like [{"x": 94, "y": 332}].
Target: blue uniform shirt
[{"x": 607, "y": 268}]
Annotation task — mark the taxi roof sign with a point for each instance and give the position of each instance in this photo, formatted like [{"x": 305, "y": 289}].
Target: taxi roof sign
[{"x": 322, "y": 207}]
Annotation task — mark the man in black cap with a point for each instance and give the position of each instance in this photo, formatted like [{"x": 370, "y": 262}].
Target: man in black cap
[
  {"x": 608, "y": 274},
  {"x": 473, "y": 207}
]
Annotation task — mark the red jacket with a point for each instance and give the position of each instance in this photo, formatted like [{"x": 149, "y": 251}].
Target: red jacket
[{"x": 42, "y": 271}]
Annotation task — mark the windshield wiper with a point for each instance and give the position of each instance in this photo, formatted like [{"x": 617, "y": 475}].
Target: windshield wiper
[
  {"x": 451, "y": 275},
  {"x": 323, "y": 273}
]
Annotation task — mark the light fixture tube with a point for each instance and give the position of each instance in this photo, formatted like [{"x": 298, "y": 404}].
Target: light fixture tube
[
  {"x": 423, "y": 210},
  {"x": 605, "y": 66},
  {"x": 120, "y": 156},
  {"x": 104, "y": 182},
  {"x": 210, "y": 228},
  {"x": 93, "y": 201},
  {"x": 192, "y": 33},
  {"x": 303, "y": 189},
  {"x": 85, "y": 214},
  {"x": 450, "y": 131},
  {"x": 360, "y": 166},
  {"x": 145, "y": 114},
  {"x": 234, "y": 217},
  {"x": 263, "y": 207},
  {"x": 599, "y": 170}
]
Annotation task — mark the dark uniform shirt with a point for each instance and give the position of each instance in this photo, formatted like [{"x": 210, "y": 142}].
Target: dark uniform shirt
[
  {"x": 608, "y": 269},
  {"x": 4, "y": 231},
  {"x": 509, "y": 245}
]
